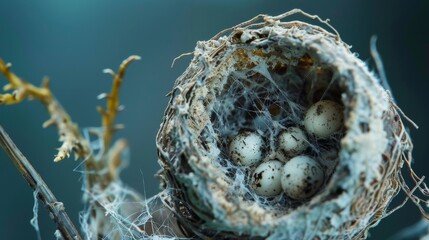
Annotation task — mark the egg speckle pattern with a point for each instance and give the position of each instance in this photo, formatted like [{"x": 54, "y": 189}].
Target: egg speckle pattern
[
  {"x": 293, "y": 141},
  {"x": 301, "y": 177},
  {"x": 246, "y": 149},
  {"x": 266, "y": 179},
  {"x": 324, "y": 118}
]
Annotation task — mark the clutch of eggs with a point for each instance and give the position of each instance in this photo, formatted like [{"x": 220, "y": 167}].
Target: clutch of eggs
[{"x": 301, "y": 176}]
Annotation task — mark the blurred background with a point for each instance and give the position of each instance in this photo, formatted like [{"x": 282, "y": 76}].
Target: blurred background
[{"x": 72, "y": 41}]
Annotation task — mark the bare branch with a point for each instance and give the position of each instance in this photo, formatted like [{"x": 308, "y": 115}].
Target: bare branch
[
  {"x": 67, "y": 129},
  {"x": 109, "y": 114},
  {"x": 62, "y": 220},
  {"x": 102, "y": 169}
]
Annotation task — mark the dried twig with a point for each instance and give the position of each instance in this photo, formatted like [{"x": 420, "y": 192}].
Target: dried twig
[
  {"x": 102, "y": 169},
  {"x": 68, "y": 131},
  {"x": 109, "y": 157},
  {"x": 64, "y": 224},
  {"x": 108, "y": 115}
]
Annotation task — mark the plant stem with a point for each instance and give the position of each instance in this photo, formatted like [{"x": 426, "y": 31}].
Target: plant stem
[{"x": 62, "y": 220}]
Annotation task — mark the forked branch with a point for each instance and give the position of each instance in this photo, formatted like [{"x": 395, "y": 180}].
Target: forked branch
[
  {"x": 68, "y": 131},
  {"x": 102, "y": 169},
  {"x": 108, "y": 115}
]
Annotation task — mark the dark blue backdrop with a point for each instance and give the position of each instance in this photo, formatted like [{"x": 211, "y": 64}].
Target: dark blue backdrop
[{"x": 72, "y": 41}]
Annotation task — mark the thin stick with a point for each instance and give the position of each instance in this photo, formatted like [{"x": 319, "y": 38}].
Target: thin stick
[
  {"x": 62, "y": 220},
  {"x": 108, "y": 115}
]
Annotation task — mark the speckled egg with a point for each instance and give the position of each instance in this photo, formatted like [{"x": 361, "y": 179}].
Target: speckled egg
[
  {"x": 246, "y": 149},
  {"x": 266, "y": 179},
  {"x": 324, "y": 118},
  {"x": 293, "y": 140},
  {"x": 301, "y": 177}
]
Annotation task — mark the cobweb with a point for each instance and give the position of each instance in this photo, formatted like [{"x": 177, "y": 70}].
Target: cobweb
[
  {"x": 268, "y": 102},
  {"x": 117, "y": 211}
]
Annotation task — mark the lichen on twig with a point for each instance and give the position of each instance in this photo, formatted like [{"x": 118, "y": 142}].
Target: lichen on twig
[
  {"x": 68, "y": 131},
  {"x": 101, "y": 170}
]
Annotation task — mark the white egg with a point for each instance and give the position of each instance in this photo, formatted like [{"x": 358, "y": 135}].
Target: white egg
[
  {"x": 301, "y": 177},
  {"x": 246, "y": 148},
  {"x": 266, "y": 179},
  {"x": 293, "y": 140},
  {"x": 324, "y": 118}
]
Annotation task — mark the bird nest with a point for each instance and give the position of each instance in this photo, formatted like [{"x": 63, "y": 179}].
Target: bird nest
[{"x": 263, "y": 79}]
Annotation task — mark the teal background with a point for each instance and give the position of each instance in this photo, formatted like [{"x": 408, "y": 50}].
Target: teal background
[{"x": 72, "y": 41}]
